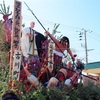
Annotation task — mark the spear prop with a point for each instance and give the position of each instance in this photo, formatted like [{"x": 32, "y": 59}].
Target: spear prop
[
  {"x": 35, "y": 16},
  {"x": 44, "y": 28},
  {"x": 80, "y": 73}
]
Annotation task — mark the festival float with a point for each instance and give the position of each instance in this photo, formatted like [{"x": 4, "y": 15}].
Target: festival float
[{"x": 42, "y": 68}]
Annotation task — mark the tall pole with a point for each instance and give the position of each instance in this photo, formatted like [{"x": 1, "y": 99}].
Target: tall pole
[
  {"x": 86, "y": 54},
  {"x": 83, "y": 31},
  {"x": 85, "y": 43},
  {"x": 15, "y": 55}
]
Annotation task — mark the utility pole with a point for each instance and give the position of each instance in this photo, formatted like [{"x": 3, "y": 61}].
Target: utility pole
[
  {"x": 86, "y": 54},
  {"x": 83, "y": 31}
]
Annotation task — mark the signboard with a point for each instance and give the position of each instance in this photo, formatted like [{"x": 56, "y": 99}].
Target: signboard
[
  {"x": 16, "y": 65},
  {"x": 50, "y": 56},
  {"x": 15, "y": 38}
]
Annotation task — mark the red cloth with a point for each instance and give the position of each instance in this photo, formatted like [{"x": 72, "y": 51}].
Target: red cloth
[
  {"x": 60, "y": 77},
  {"x": 69, "y": 74}
]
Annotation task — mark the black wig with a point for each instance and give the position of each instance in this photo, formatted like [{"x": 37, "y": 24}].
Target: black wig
[{"x": 64, "y": 38}]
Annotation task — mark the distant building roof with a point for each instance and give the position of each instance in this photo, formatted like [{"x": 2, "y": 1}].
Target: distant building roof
[
  {"x": 95, "y": 71},
  {"x": 92, "y": 65}
]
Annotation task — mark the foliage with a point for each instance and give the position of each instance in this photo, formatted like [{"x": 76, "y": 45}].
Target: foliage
[
  {"x": 2, "y": 35},
  {"x": 4, "y": 62},
  {"x": 4, "y": 10},
  {"x": 41, "y": 93},
  {"x": 89, "y": 92}
]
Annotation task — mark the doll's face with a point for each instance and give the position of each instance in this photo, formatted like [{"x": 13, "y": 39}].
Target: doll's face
[{"x": 64, "y": 43}]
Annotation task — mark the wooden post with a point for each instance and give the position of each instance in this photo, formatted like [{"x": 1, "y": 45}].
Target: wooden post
[{"x": 15, "y": 40}]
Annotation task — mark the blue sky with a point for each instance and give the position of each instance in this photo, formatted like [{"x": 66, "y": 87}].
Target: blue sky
[{"x": 72, "y": 15}]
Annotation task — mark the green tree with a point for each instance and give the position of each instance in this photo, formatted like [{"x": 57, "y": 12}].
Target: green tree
[{"x": 4, "y": 62}]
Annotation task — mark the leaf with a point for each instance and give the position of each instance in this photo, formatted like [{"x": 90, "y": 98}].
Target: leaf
[
  {"x": 2, "y": 13},
  {"x": 57, "y": 26},
  {"x": 4, "y": 7},
  {"x": 54, "y": 25},
  {"x": 8, "y": 9}
]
